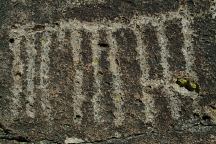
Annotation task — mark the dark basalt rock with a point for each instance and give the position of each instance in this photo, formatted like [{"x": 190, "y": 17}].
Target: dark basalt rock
[{"x": 107, "y": 71}]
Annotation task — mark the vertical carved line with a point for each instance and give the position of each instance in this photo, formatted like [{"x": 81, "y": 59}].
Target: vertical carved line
[
  {"x": 187, "y": 49},
  {"x": 31, "y": 55},
  {"x": 162, "y": 40},
  {"x": 96, "y": 51},
  {"x": 117, "y": 94},
  {"x": 78, "y": 97},
  {"x": 44, "y": 72},
  {"x": 17, "y": 72}
]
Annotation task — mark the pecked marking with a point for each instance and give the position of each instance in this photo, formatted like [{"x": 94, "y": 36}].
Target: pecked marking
[
  {"x": 44, "y": 74},
  {"x": 17, "y": 72},
  {"x": 31, "y": 52},
  {"x": 96, "y": 51}
]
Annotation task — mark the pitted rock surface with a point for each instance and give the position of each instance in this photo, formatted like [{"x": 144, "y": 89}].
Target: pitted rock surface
[{"x": 105, "y": 71}]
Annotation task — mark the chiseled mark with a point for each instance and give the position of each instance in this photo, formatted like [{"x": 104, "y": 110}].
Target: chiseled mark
[
  {"x": 44, "y": 72},
  {"x": 96, "y": 51},
  {"x": 146, "y": 99},
  {"x": 117, "y": 94},
  {"x": 73, "y": 140},
  {"x": 187, "y": 49},
  {"x": 78, "y": 97},
  {"x": 162, "y": 40},
  {"x": 213, "y": 8},
  {"x": 91, "y": 26},
  {"x": 30, "y": 88},
  {"x": 17, "y": 72}
]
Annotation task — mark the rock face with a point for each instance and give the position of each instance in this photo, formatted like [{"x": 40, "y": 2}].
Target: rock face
[{"x": 106, "y": 71}]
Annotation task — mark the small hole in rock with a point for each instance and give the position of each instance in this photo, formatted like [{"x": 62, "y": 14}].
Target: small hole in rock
[
  {"x": 139, "y": 101},
  {"x": 77, "y": 82},
  {"x": 78, "y": 116},
  {"x": 103, "y": 44},
  {"x": 117, "y": 61},
  {"x": 18, "y": 74},
  {"x": 206, "y": 118},
  {"x": 11, "y": 40},
  {"x": 107, "y": 83},
  {"x": 149, "y": 86},
  {"x": 57, "y": 24},
  {"x": 100, "y": 72}
]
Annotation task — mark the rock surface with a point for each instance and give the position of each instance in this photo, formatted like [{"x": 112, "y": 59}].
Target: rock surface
[{"x": 105, "y": 71}]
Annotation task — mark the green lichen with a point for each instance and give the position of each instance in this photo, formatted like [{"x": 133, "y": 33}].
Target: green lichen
[
  {"x": 188, "y": 84},
  {"x": 182, "y": 82},
  {"x": 118, "y": 98}
]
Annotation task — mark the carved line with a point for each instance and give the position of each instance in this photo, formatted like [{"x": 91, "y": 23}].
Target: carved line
[
  {"x": 31, "y": 52},
  {"x": 96, "y": 50},
  {"x": 187, "y": 50},
  {"x": 78, "y": 97},
  {"x": 17, "y": 72},
  {"x": 76, "y": 25},
  {"x": 44, "y": 74}
]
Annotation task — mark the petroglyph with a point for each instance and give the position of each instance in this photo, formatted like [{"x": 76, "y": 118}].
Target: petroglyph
[
  {"x": 125, "y": 62},
  {"x": 32, "y": 52},
  {"x": 187, "y": 49},
  {"x": 44, "y": 73},
  {"x": 78, "y": 96},
  {"x": 95, "y": 62},
  {"x": 17, "y": 71}
]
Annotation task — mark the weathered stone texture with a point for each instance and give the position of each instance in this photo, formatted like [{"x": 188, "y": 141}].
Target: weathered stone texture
[{"x": 105, "y": 71}]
